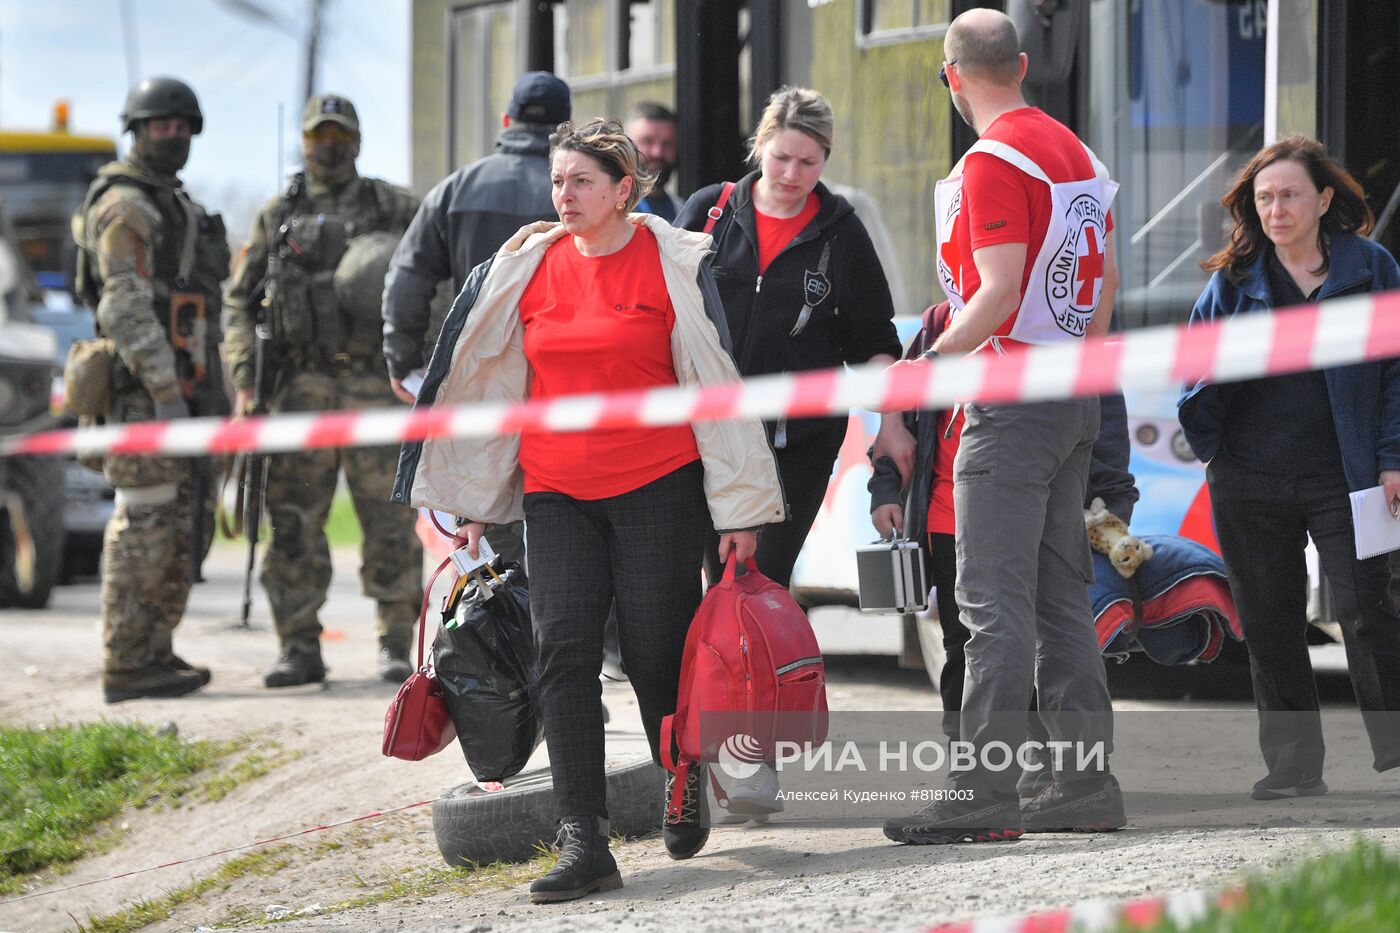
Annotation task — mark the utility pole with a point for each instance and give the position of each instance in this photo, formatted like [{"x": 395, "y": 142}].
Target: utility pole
[
  {"x": 313, "y": 46},
  {"x": 132, "y": 46},
  {"x": 257, "y": 10}
]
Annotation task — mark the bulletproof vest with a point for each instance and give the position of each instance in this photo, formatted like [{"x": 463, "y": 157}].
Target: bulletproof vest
[
  {"x": 309, "y": 321},
  {"x": 189, "y": 263}
]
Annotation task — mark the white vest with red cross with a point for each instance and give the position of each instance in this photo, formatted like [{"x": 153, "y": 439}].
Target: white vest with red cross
[{"x": 1067, "y": 276}]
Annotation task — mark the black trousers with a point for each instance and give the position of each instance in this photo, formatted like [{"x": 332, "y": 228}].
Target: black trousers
[
  {"x": 1263, "y": 522},
  {"x": 643, "y": 549},
  {"x": 805, "y": 472},
  {"x": 943, "y": 571}
]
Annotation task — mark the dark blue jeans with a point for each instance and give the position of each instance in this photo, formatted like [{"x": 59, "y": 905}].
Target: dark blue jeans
[
  {"x": 642, "y": 548},
  {"x": 1263, "y": 522}
]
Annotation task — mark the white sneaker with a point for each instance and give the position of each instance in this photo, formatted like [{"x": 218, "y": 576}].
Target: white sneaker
[
  {"x": 755, "y": 795},
  {"x": 737, "y": 819}
]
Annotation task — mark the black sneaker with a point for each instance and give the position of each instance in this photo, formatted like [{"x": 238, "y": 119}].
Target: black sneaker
[
  {"x": 1092, "y": 805},
  {"x": 585, "y": 865},
  {"x": 944, "y": 822},
  {"x": 686, "y": 833},
  {"x": 296, "y": 665},
  {"x": 1290, "y": 783}
]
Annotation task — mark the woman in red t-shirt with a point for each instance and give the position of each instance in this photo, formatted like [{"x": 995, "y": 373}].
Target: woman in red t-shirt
[
  {"x": 803, "y": 289},
  {"x": 614, "y": 514}
]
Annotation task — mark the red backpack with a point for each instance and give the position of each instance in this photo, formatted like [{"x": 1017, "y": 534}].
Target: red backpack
[{"x": 750, "y": 653}]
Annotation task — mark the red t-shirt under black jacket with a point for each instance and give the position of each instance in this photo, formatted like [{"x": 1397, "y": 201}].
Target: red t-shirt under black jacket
[{"x": 600, "y": 324}]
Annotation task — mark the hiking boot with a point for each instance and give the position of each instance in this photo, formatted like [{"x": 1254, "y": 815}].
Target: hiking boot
[
  {"x": 175, "y": 662},
  {"x": 296, "y": 665},
  {"x": 755, "y": 795},
  {"x": 393, "y": 664},
  {"x": 687, "y": 833},
  {"x": 1289, "y": 783},
  {"x": 585, "y": 865},
  {"x": 1091, "y": 805},
  {"x": 1031, "y": 784},
  {"x": 153, "y": 680},
  {"x": 944, "y": 822}
]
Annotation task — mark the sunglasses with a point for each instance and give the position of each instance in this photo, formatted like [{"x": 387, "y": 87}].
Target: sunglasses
[
  {"x": 329, "y": 133},
  {"x": 943, "y": 72}
]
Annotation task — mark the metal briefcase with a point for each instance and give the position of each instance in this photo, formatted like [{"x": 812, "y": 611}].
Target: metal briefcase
[{"x": 891, "y": 575}]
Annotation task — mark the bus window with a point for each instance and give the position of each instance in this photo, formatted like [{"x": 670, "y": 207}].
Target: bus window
[
  {"x": 893, "y": 20},
  {"x": 1190, "y": 82},
  {"x": 651, "y": 34}
]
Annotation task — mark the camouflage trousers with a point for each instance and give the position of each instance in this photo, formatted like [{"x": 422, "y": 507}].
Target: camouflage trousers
[
  {"x": 296, "y": 570},
  {"x": 146, "y": 571}
]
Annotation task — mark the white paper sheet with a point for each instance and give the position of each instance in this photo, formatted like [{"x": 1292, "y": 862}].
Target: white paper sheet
[{"x": 1377, "y": 531}]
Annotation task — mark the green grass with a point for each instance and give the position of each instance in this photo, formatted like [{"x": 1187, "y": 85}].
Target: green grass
[
  {"x": 428, "y": 882},
  {"x": 1355, "y": 889},
  {"x": 258, "y": 761},
  {"x": 56, "y": 784},
  {"x": 342, "y": 527},
  {"x": 146, "y": 912}
]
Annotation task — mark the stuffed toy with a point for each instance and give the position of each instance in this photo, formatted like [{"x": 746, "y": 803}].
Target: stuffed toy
[{"x": 1108, "y": 534}]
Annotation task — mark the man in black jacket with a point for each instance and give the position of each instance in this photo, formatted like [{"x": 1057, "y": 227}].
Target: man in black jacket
[
  {"x": 466, "y": 217},
  {"x": 461, "y": 224}
]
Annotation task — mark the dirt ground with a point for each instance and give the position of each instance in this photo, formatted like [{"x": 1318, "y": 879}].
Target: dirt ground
[{"x": 1190, "y": 823}]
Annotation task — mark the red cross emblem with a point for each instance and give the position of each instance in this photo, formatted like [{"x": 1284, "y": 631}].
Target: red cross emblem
[
  {"x": 951, "y": 255},
  {"x": 1090, "y": 268}
]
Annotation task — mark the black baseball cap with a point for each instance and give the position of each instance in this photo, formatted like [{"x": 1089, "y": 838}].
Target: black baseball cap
[{"x": 540, "y": 97}]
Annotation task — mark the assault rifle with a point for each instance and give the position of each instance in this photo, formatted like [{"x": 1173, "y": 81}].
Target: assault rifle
[{"x": 254, "y": 479}]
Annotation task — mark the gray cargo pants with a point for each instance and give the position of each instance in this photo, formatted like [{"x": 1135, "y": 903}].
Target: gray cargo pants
[{"x": 1023, "y": 574}]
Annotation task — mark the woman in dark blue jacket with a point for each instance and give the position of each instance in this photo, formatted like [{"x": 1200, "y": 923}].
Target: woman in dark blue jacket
[{"x": 1283, "y": 452}]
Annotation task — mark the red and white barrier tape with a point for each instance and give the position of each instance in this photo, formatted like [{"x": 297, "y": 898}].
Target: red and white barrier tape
[
  {"x": 1347, "y": 330},
  {"x": 1183, "y": 907}
]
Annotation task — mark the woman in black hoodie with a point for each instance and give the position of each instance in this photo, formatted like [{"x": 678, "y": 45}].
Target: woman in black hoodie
[{"x": 802, "y": 288}]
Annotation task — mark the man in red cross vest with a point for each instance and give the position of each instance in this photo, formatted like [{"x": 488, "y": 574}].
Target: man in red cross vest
[{"x": 1026, "y": 258}]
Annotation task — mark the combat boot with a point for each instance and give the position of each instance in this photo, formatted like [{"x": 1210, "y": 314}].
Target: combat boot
[
  {"x": 393, "y": 665},
  {"x": 178, "y": 663},
  {"x": 297, "y": 664},
  {"x": 585, "y": 865},
  {"x": 686, "y": 833},
  {"x": 153, "y": 680}
]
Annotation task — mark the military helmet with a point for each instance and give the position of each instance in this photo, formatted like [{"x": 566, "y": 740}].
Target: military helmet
[
  {"x": 155, "y": 98},
  {"x": 359, "y": 277}
]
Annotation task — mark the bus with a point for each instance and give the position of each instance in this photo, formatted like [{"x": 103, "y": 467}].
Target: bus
[{"x": 1173, "y": 95}]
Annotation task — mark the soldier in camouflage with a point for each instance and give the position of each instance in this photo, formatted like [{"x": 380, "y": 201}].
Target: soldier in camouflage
[
  {"x": 151, "y": 262},
  {"x": 325, "y": 353}
]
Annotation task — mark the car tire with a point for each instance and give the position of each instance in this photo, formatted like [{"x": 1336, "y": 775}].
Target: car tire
[
  {"x": 477, "y": 827},
  {"x": 32, "y": 478}
]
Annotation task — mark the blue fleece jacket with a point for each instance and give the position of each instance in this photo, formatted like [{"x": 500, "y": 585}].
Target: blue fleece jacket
[{"x": 1365, "y": 397}]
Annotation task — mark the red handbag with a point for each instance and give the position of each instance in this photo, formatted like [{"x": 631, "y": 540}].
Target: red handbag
[{"x": 417, "y": 724}]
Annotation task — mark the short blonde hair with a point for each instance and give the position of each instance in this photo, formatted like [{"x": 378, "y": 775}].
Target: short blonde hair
[
  {"x": 794, "y": 108},
  {"x": 613, "y": 150}
]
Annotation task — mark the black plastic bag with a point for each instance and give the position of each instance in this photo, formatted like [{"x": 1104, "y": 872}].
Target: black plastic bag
[{"x": 486, "y": 665}]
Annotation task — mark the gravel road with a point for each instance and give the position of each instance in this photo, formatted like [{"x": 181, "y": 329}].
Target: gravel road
[{"x": 1186, "y": 772}]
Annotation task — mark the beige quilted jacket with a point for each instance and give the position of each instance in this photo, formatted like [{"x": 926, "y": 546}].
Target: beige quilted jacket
[{"x": 480, "y": 478}]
